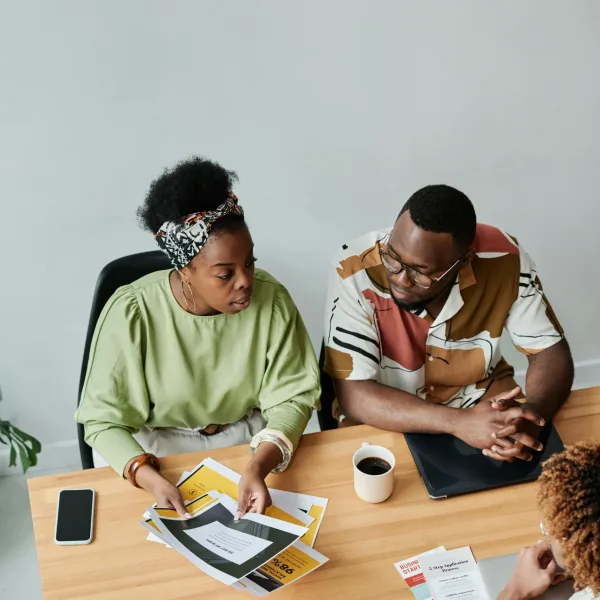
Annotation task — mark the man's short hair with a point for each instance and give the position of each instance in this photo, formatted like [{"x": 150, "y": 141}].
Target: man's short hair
[{"x": 443, "y": 209}]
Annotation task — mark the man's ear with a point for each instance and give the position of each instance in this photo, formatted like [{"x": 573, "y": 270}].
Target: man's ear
[{"x": 467, "y": 258}]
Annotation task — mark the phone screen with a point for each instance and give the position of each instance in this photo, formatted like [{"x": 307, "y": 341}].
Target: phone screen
[{"x": 74, "y": 517}]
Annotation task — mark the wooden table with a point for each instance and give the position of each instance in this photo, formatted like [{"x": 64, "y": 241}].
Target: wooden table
[{"x": 361, "y": 540}]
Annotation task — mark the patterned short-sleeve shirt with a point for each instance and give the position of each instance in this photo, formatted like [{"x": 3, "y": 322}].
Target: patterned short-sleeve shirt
[{"x": 451, "y": 359}]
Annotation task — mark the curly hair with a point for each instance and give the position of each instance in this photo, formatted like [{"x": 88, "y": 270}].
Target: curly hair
[
  {"x": 569, "y": 498},
  {"x": 193, "y": 185},
  {"x": 443, "y": 209}
]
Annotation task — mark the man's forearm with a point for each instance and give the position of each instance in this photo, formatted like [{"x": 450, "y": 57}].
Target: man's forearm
[
  {"x": 549, "y": 379},
  {"x": 388, "y": 408}
]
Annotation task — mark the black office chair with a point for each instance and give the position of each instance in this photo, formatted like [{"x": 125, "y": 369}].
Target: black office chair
[
  {"x": 118, "y": 273},
  {"x": 325, "y": 415}
]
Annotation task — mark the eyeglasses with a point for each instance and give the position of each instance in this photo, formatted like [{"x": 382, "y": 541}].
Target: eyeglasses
[
  {"x": 396, "y": 266},
  {"x": 543, "y": 529}
]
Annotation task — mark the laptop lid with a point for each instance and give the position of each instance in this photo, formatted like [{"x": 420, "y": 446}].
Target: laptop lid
[
  {"x": 449, "y": 466},
  {"x": 497, "y": 571}
]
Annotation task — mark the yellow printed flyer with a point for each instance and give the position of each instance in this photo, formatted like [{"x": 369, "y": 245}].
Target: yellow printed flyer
[
  {"x": 211, "y": 475},
  {"x": 192, "y": 507},
  {"x": 314, "y": 506},
  {"x": 204, "y": 479},
  {"x": 310, "y": 536},
  {"x": 288, "y": 566}
]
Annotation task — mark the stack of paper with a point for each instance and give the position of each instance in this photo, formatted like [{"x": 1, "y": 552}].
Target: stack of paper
[
  {"x": 444, "y": 575},
  {"x": 259, "y": 553}
]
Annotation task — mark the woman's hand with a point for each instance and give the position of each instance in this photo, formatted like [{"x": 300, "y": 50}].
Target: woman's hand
[
  {"x": 166, "y": 494},
  {"x": 253, "y": 493},
  {"x": 532, "y": 576}
]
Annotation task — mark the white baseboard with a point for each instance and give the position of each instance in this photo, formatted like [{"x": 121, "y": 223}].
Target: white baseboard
[
  {"x": 587, "y": 374},
  {"x": 64, "y": 456},
  {"x": 56, "y": 457}
]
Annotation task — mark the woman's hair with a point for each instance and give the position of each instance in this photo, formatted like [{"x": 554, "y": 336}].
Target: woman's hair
[
  {"x": 193, "y": 185},
  {"x": 569, "y": 497}
]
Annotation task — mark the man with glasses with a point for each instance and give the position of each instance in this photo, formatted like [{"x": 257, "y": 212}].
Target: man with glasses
[{"x": 413, "y": 322}]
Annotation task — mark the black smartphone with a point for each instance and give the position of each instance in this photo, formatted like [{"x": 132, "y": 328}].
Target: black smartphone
[{"x": 75, "y": 517}]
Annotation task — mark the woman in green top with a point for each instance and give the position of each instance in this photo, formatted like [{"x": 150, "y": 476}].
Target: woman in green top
[{"x": 210, "y": 354}]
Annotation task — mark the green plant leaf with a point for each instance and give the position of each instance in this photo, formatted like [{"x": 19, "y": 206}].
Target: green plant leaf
[
  {"x": 25, "y": 450},
  {"x": 35, "y": 444},
  {"x": 4, "y": 431},
  {"x": 25, "y": 458},
  {"x": 27, "y": 446},
  {"x": 13, "y": 456}
]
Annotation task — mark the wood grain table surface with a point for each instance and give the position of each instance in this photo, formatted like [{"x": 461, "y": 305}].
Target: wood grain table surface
[{"x": 361, "y": 540}]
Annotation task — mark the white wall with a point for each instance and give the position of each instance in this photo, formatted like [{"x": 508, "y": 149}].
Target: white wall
[{"x": 332, "y": 112}]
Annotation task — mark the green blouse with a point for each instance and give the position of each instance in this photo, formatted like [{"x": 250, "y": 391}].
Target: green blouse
[{"x": 153, "y": 364}]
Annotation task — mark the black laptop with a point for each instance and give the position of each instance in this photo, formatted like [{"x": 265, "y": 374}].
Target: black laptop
[{"x": 450, "y": 467}]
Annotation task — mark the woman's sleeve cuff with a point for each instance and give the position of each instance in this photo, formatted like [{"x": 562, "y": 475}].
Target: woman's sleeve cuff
[{"x": 280, "y": 440}]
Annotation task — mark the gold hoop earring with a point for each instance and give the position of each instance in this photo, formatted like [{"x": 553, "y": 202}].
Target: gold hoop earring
[{"x": 192, "y": 310}]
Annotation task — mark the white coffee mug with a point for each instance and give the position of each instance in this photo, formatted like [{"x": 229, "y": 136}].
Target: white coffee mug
[{"x": 373, "y": 488}]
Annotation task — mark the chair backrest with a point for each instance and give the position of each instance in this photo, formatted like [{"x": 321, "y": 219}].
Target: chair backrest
[
  {"x": 114, "y": 275},
  {"x": 325, "y": 415}
]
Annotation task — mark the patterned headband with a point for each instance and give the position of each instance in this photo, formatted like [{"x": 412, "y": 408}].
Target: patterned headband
[{"x": 182, "y": 240}]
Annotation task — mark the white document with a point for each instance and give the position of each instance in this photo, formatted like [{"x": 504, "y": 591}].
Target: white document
[
  {"x": 175, "y": 531},
  {"x": 411, "y": 572},
  {"x": 290, "y": 508},
  {"x": 231, "y": 506},
  {"x": 453, "y": 575},
  {"x": 290, "y": 500},
  {"x": 235, "y": 546},
  {"x": 303, "y": 503}
]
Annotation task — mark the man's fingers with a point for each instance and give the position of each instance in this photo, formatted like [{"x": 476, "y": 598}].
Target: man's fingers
[
  {"x": 496, "y": 456},
  {"x": 504, "y": 400},
  {"x": 513, "y": 452},
  {"x": 527, "y": 440},
  {"x": 501, "y": 405},
  {"x": 511, "y": 431},
  {"x": 505, "y": 432},
  {"x": 516, "y": 451},
  {"x": 524, "y": 413},
  {"x": 502, "y": 442}
]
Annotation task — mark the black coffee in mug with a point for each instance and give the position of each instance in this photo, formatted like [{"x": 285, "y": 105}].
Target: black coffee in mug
[{"x": 373, "y": 465}]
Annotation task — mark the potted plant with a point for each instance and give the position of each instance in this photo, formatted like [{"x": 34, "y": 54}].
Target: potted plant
[{"x": 21, "y": 444}]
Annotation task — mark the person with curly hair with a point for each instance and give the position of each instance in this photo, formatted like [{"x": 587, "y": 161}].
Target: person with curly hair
[
  {"x": 569, "y": 499},
  {"x": 208, "y": 354}
]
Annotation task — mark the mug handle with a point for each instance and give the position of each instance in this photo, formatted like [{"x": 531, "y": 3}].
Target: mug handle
[{"x": 365, "y": 444}]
